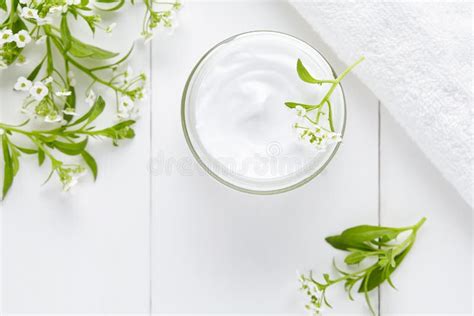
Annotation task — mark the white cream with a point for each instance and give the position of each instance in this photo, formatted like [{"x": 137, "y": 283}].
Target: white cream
[{"x": 238, "y": 116}]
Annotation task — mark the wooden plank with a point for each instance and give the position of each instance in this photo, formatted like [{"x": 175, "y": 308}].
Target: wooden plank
[
  {"x": 86, "y": 251},
  {"x": 436, "y": 277},
  {"x": 218, "y": 250}
]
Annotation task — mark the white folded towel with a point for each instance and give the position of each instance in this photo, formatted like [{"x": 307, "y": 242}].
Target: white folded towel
[{"x": 418, "y": 63}]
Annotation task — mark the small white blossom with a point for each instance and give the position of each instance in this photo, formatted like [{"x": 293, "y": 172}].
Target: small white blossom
[
  {"x": 38, "y": 91},
  {"x": 125, "y": 103},
  {"x": 55, "y": 10},
  {"x": 147, "y": 36},
  {"x": 73, "y": 2},
  {"x": 333, "y": 138},
  {"x": 23, "y": 84},
  {"x": 110, "y": 28},
  {"x": 126, "y": 108},
  {"x": 53, "y": 117},
  {"x": 91, "y": 97},
  {"x": 23, "y": 1},
  {"x": 48, "y": 80},
  {"x": 6, "y": 36},
  {"x": 69, "y": 176},
  {"x": 69, "y": 111},
  {"x": 63, "y": 93},
  {"x": 22, "y": 38},
  {"x": 22, "y": 60},
  {"x": 44, "y": 21},
  {"x": 300, "y": 111},
  {"x": 29, "y": 13}
]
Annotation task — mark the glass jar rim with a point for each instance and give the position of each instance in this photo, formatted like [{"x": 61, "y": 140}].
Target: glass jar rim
[{"x": 200, "y": 160}]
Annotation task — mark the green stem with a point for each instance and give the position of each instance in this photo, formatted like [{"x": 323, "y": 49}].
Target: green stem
[
  {"x": 333, "y": 87},
  {"x": 12, "y": 13}
]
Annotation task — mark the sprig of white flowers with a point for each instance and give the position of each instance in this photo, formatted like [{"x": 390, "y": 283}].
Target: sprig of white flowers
[
  {"x": 311, "y": 127},
  {"x": 50, "y": 87}
]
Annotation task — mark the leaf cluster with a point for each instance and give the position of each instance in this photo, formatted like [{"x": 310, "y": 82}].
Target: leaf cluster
[
  {"x": 379, "y": 248},
  {"x": 71, "y": 139}
]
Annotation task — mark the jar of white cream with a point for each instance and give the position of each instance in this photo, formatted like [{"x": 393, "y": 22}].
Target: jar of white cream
[{"x": 234, "y": 116}]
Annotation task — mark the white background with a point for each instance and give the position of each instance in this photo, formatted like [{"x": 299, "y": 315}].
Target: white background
[{"x": 155, "y": 234}]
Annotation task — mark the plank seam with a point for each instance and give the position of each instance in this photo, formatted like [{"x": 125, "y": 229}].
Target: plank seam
[
  {"x": 150, "y": 185},
  {"x": 379, "y": 187}
]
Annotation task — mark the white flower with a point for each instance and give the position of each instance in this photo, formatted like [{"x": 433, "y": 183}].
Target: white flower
[
  {"x": 147, "y": 36},
  {"x": 69, "y": 111},
  {"x": 41, "y": 40},
  {"x": 55, "y": 9},
  {"x": 6, "y": 36},
  {"x": 22, "y": 84},
  {"x": 126, "y": 108},
  {"x": 333, "y": 138},
  {"x": 23, "y": 1},
  {"x": 44, "y": 21},
  {"x": 63, "y": 93},
  {"x": 38, "y": 91},
  {"x": 125, "y": 103},
  {"x": 22, "y": 60},
  {"x": 73, "y": 2},
  {"x": 70, "y": 183},
  {"x": 69, "y": 176},
  {"x": 110, "y": 28},
  {"x": 22, "y": 38},
  {"x": 29, "y": 13},
  {"x": 48, "y": 80},
  {"x": 91, "y": 97},
  {"x": 300, "y": 111},
  {"x": 53, "y": 117}
]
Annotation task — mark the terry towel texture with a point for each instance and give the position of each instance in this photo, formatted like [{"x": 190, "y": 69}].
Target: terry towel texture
[{"x": 418, "y": 63}]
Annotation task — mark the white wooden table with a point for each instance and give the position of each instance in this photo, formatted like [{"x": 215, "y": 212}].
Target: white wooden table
[{"x": 165, "y": 238}]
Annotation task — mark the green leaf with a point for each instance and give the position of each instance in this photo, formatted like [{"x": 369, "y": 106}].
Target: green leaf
[
  {"x": 364, "y": 233},
  {"x": 379, "y": 275},
  {"x": 15, "y": 154},
  {"x": 83, "y": 50},
  {"x": 118, "y": 62},
  {"x": 65, "y": 33},
  {"x": 93, "y": 112},
  {"x": 3, "y": 5},
  {"x": 342, "y": 243},
  {"x": 304, "y": 74},
  {"x": 41, "y": 156},
  {"x": 8, "y": 172},
  {"x": 374, "y": 279},
  {"x": 356, "y": 257},
  {"x": 90, "y": 161},
  {"x": 49, "y": 58},
  {"x": 28, "y": 151},
  {"x": 32, "y": 76},
  {"x": 293, "y": 105},
  {"x": 71, "y": 149}
]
